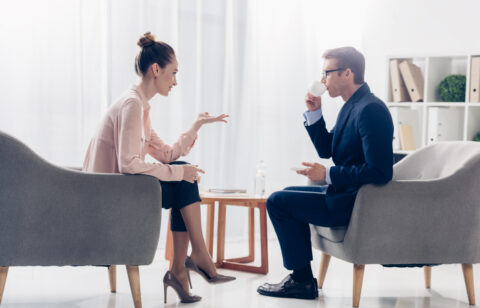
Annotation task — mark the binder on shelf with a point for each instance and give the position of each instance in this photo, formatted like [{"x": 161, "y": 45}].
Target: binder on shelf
[
  {"x": 475, "y": 80},
  {"x": 413, "y": 78},
  {"x": 399, "y": 91},
  {"x": 403, "y": 115},
  {"x": 444, "y": 124},
  {"x": 407, "y": 141},
  {"x": 396, "y": 138}
]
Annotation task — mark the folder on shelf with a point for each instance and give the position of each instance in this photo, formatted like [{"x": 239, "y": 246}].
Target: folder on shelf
[
  {"x": 407, "y": 141},
  {"x": 475, "y": 80},
  {"x": 444, "y": 124},
  {"x": 396, "y": 137},
  {"x": 399, "y": 91},
  {"x": 413, "y": 78},
  {"x": 402, "y": 115}
]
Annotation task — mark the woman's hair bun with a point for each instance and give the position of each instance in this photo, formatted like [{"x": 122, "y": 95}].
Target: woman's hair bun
[
  {"x": 146, "y": 40},
  {"x": 157, "y": 52}
]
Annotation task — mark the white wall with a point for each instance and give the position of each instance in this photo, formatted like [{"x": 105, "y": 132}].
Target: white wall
[{"x": 418, "y": 27}]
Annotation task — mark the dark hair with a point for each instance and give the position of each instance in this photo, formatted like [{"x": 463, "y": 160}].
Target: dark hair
[
  {"x": 152, "y": 52},
  {"x": 348, "y": 57}
]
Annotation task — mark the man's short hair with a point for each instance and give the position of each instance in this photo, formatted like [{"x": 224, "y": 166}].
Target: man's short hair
[{"x": 348, "y": 57}]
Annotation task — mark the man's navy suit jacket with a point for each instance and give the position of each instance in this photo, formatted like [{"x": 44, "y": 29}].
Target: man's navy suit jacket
[{"x": 360, "y": 145}]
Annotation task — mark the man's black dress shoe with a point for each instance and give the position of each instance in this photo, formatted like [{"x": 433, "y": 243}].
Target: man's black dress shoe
[{"x": 288, "y": 287}]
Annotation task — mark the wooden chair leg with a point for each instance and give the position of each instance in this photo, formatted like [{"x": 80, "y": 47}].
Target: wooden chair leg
[
  {"x": 112, "y": 277},
  {"x": 323, "y": 269},
  {"x": 134, "y": 280},
  {"x": 468, "y": 276},
  {"x": 428, "y": 276},
  {"x": 358, "y": 270},
  {"x": 3, "y": 280}
]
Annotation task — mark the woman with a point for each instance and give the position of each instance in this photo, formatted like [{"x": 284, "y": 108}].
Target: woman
[{"x": 122, "y": 142}]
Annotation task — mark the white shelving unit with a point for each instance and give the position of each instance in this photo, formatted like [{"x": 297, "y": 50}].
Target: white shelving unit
[{"x": 460, "y": 120}]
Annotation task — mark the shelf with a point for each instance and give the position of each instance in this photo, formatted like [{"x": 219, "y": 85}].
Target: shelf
[
  {"x": 441, "y": 67},
  {"x": 433, "y": 120},
  {"x": 446, "y": 104},
  {"x": 405, "y": 104},
  {"x": 432, "y": 104}
]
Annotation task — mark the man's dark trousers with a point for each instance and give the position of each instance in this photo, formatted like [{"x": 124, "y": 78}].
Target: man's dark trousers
[{"x": 291, "y": 211}]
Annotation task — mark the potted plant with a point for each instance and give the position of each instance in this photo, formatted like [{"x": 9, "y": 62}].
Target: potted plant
[{"x": 452, "y": 88}]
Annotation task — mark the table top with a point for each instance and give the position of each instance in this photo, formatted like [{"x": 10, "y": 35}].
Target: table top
[{"x": 232, "y": 196}]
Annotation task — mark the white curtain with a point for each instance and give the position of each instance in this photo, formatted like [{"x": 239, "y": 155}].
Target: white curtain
[
  {"x": 63, "y": 62},
  {"x": 53, "y": 81}
]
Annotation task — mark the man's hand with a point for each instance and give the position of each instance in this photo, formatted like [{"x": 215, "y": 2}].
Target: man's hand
[
  {"x": 315, "y": 172},
  {"x": 313, "y": 102}
]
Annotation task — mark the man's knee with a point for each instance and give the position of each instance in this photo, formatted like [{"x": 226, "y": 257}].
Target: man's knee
[{"x": 275, "y": 202}]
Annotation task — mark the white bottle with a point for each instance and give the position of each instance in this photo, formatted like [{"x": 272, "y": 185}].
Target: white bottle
[
  {"x": 317, "y": 88},
  {"x": 260, "y": 179}
]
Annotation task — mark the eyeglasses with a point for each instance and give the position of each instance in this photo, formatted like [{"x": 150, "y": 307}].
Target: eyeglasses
[{"x": 325, "y": 73}]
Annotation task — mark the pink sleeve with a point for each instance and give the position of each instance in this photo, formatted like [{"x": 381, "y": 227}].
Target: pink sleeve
[
  {"x": 165, "y": 153},
  {"x": 130, "y": 147}
]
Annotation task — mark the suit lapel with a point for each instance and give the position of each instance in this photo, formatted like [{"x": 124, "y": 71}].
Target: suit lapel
[
  {"x": 341, "y": 122},
  {"x": 345, "y": 113}
]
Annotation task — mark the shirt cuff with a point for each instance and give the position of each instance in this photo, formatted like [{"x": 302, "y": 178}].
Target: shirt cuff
[
  {"x": 312, "y": 116},
  {"x": 328, "y": 180}
]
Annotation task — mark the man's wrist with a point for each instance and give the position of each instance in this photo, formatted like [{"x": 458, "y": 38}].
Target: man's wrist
[
  {"x": 312, "y": 117},
  {"x": 328, "y": 180}
]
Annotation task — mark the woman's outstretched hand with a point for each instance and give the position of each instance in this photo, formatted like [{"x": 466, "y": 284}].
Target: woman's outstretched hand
[
  {"x": 190, "y": 173},
  {"x": 205, "y": 118}
]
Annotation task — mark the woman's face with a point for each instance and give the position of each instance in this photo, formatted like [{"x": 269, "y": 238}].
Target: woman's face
[{"x": 166, "y": 77}]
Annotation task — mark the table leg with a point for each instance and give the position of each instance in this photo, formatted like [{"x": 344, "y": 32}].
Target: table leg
[
  {"x": 251, "y": 234},
  {"x": 251, "y": 240},
  {"x": 263, "y": 239},
  {"x": 222, "y": 211},
  {"x": 237, "y": 263}
]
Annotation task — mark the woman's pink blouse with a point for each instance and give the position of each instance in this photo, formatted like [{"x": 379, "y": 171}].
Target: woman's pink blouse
[{"x": 125, "y": 137}]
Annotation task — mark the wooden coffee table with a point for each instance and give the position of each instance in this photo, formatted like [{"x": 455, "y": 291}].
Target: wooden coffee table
[
  {"x": 251, "y": 202},
  {"x": 224, "y": 200}
]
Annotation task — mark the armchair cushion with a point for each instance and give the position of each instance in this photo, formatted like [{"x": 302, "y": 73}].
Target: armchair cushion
[{"x": 333, "y": 234}]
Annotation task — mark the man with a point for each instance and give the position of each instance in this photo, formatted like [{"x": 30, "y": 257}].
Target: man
[{"x": 360, "y": 145}]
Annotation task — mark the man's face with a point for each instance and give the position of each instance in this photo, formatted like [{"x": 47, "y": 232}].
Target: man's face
[{"x": 333, "y": 80}]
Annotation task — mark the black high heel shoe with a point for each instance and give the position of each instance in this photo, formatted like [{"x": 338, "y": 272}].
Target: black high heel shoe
[
  {"x": 190, "y": 265},
  {"x": 169, "y": 280}
]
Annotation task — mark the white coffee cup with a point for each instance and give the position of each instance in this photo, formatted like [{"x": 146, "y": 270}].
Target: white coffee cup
[{"x": 317, "y": 88}]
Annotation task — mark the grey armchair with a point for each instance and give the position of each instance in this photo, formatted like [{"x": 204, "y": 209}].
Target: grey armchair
[
  {"x": 428, "y": 214},
  {"x": 51, "y": 216}
]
